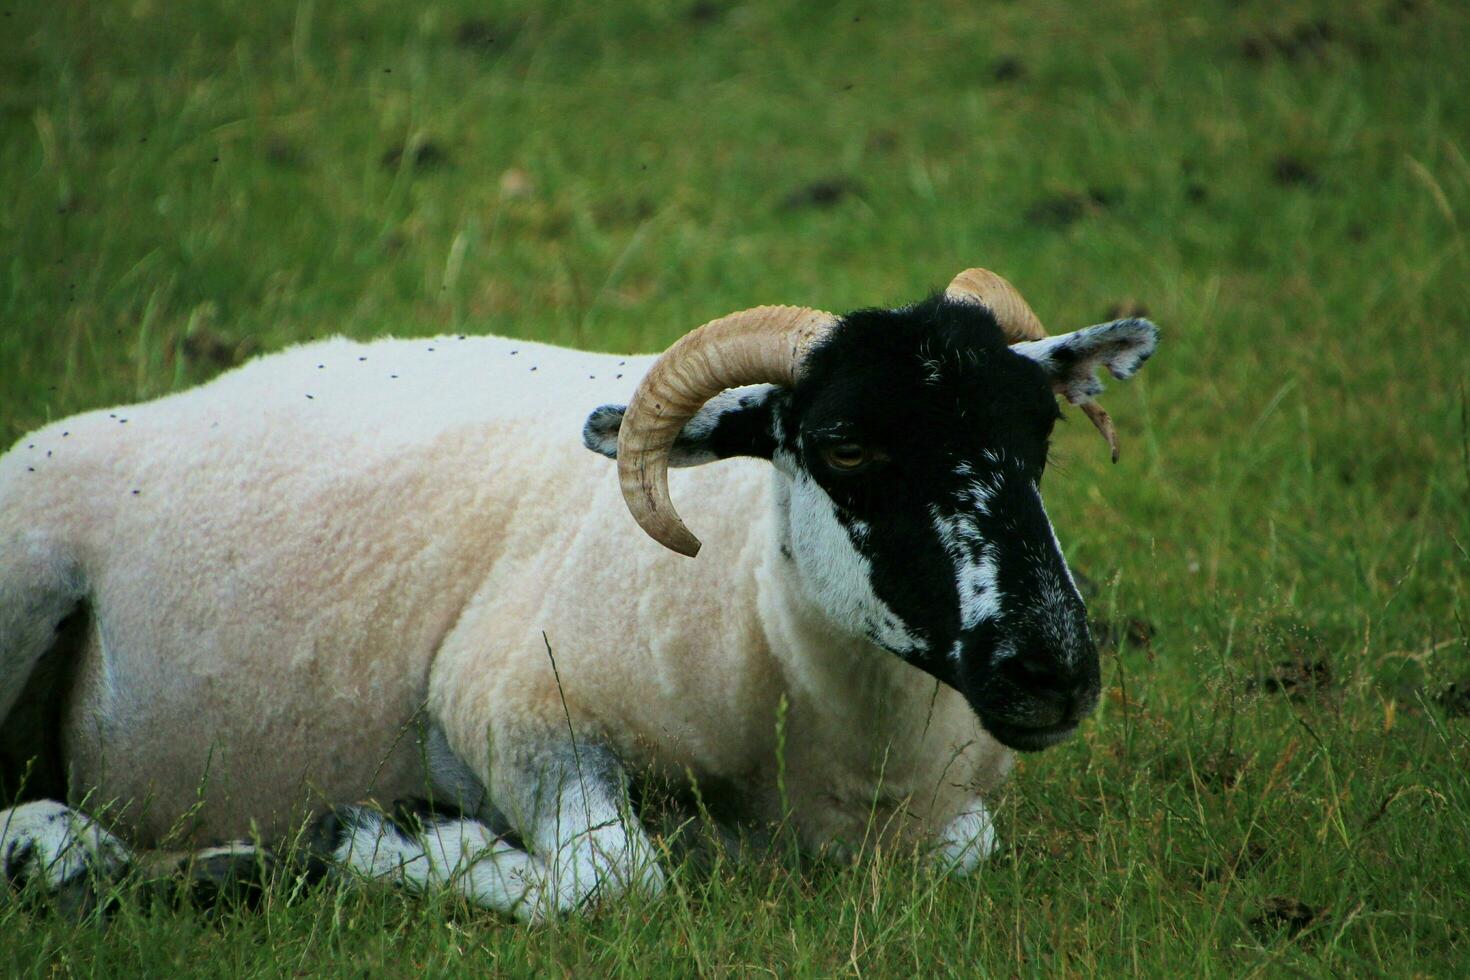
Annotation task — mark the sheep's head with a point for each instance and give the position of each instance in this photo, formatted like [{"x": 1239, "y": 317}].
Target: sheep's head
[{"x": 912, "y": 442}]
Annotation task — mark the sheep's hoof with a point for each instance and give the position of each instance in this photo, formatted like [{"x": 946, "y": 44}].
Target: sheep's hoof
[
  {"x": 59, "y": 856},
  {"x": 219, "y": 879}
]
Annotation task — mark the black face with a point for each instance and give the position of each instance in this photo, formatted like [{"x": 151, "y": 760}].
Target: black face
[
  {"x": 913, "y": 446},
  {"x": 928, "y": 436}
]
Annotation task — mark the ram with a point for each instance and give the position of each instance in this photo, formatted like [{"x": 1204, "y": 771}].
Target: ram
[{"x": 389, "y": 569}]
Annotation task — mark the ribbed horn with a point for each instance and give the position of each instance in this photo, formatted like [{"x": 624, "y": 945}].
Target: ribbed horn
[
  {"x": 764, "y": 345},
  {"x": 1003, "y": 301},
  {"x": 1019, "y": 322}
]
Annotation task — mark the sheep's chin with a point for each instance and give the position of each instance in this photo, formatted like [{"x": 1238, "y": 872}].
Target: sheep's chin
[{"x": 1027, "y": 739}]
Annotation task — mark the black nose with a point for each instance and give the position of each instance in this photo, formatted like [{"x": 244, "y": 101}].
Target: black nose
[{"x": 1068, "y": 688}]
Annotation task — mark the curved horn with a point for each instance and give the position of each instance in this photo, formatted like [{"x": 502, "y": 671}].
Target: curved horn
[
  {"x": 1003, "y": 301},
  {"x": 762, "y": 345},
  {"x": 1019, "y": 322}
]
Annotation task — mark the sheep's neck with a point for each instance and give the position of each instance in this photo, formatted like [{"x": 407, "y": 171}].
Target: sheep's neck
[{"x": 828, "y": 671}]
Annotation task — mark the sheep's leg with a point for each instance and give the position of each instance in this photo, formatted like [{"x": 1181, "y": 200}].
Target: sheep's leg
[
  {"x": 966, "y": 841},
  {"x": 60, "y": 851},
  {"x": 69, "y": 859},
  {"x": 425, "y": 848},
  {"x": 40, "y": 585},
  {"x": 569, "y": 802},
  {"x": 570, "y": 808}
]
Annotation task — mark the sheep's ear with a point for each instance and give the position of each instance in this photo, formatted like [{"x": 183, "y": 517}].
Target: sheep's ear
[
  {"x": 1072, "y": 359},
  {"x": 733, "y": 423}
]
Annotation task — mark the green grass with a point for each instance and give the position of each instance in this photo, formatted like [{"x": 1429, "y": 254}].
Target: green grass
[{"x": 184, "y": 183}]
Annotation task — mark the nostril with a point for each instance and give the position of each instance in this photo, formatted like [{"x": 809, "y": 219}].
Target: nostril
[{"x": 1038, "y": 674}]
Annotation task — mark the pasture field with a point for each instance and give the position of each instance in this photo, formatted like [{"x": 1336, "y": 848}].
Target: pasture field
[{"x": 1277, "y": 782}]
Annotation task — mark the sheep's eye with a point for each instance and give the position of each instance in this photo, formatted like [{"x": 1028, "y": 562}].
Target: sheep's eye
[{"x": 846, "y": 456}]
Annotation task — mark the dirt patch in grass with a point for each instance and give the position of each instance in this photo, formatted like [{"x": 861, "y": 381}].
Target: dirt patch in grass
[
  {"x": 1292, "y": 171},
  {"x": 484, "y": 36},
  {"x": 1290, "y": 915},
  {"x": 820, "y": 195},
  {"x": 704, "y": 12},
  {"x": 1402, "y": 11},
  {"x": 1294, "y": 678},
  {"x": 1222, "y": 769},
  {"x": 623, "y": 211},
  {"x": 1216, "y": 769},
  {"x": 1008, "y": 70},
  {"x": 1312, "y": 39},
  {"x": 422, "y": 157},
  {"x": 284, "y": 153},
  {"x": 1301, "y": 666},
  {"x": 1455, "y": 699},
  {"x": 1069, "y": 207},
  {"x": 1113, "y": 632},
  {"x": 1238, "y": 865},
  {"x": 215, "y": 349}
]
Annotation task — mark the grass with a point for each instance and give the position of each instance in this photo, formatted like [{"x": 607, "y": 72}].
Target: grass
[{"x": 1284, "y": 550}]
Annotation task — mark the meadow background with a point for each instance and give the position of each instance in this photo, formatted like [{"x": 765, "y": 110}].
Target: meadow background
[{"x": 1276, "y": 782}]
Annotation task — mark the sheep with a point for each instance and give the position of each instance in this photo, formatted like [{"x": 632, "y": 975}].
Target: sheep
[{"x": 349, "y": 571}]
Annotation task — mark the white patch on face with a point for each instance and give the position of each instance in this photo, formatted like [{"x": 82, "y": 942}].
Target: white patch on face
[
  {"x": 975, "y": 568},
  {"x": 837, "y": 575},
  {"x": 978, "y": 495}
]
